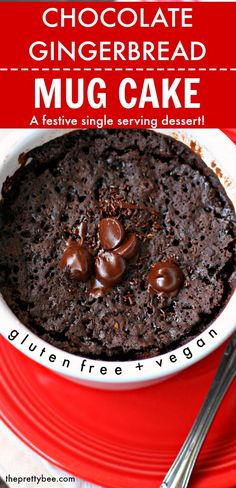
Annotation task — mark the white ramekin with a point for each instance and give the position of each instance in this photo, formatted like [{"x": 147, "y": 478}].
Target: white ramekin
[{"x": 219, "y": 153}]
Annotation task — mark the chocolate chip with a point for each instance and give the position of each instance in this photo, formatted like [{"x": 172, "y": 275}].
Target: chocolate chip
[
  {"x": 98, "y": 289},
  {"x": 77, "y": 261},
  {"x": 129, "y": 248},
  {"x": 165, "y": 277},
  {"x": 111, "y": 233},
  {"x": 82, "y": 232},
  {"x": 109, "y": 268}
]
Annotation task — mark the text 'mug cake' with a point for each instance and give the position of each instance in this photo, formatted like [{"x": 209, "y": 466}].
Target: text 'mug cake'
[{"x": 116, "y": 244}]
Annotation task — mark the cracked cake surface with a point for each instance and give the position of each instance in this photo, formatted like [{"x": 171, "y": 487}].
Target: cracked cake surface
[{"x": 159, "y": 190}]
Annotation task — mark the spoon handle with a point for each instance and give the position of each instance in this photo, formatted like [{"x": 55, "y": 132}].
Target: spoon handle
[{"x": 179, "y": 474}]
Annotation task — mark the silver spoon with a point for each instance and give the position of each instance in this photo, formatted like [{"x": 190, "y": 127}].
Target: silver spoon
[{"x": 179, "y": 474}]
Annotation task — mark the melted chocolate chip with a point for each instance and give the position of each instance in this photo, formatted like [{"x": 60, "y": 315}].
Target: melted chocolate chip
[
  {"x": 82, "y": 232},
  {"x": 129, "y": 248},
  {"x": 111, "y": 233},
  {"x": 165, "y": 277},
  {"x": 109, "y": 268},
  {"x": 77, "y": 261},
  {"x": 98, "y": 289}
]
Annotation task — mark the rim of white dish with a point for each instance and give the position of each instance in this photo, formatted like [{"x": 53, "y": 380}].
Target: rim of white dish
[{"x": 122, "y": 372}]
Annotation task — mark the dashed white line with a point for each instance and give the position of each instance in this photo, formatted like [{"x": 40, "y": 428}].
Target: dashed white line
[{"x": 118, "y": 69}]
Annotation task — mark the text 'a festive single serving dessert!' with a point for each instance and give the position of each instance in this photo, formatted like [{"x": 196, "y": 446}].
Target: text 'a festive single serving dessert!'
[{"x": 116, "y": 244}]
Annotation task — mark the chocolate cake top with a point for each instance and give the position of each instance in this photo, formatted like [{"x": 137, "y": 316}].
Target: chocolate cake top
[{"x": 116, "y": 244}]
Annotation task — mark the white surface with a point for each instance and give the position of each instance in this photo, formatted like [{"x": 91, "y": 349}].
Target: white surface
[{"x": 17, "y": 459}]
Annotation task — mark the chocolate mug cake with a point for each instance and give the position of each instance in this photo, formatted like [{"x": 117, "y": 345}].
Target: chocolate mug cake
[{"x": 116, "y": 244}]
